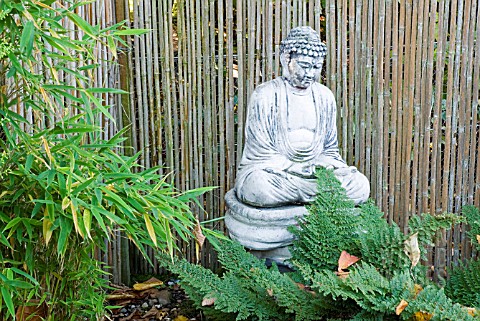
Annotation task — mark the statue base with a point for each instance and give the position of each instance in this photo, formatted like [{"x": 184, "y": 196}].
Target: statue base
[{"x": 262, "y": 230}]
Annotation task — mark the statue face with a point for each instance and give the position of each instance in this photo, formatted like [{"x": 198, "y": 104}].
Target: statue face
[{"x": 302, "y": 71}]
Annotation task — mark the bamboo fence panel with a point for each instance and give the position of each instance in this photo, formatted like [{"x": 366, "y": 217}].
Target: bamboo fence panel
[{"x": 406, "y": 76}]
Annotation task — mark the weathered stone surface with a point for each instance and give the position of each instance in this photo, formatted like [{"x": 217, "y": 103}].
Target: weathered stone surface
[{"x": 261, "y": 228}]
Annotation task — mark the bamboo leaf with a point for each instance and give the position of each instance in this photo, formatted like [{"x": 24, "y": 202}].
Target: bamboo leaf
[
  {"x": 47, "y": 229},
  {"x": 131, "y": 32},
  {"x": 26, "y": 41},
  {"x": 82, "y": 24},
  {"x": 88, "y": 98},
  {"x": 136, "y": 204},
  {"x": 62, "y": 185},
  {"x": 99, "y": 219},
  {"x": 150, "y": 229},
  {"x": 75, "y": 219},
  {"x": 7, "y": 298},
  {"x": 13, "y": 223},
  {"x": 191, "y": 194},
  {"x": 87, "y": 221},
  {"x": 88, "y": 67},
  {"x": 15, "y": 63},
  {"x": 65, "y": 230},
  {"x": 4, "y": 241},
  {"x": 99, "y": 195},
  {"x": 54, "y": 43},
  {"x": 112, "y": 46},
  {"x": 106, "y": 91},
  {"x": 28, "y": 163},
  {"x": 47, "y": 149},
  {"x": 83, "y": 185},
  {"x": 112, "y": 216},
  {"x": 20, "y": 284},
  {"x": 75, "y": 129},
  {"x": 26, "y": 275},
  {"x": 65, "y": 203},
  {"x": 116, "y": 199}
]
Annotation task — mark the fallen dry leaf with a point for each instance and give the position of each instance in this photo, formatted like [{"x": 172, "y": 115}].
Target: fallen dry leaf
[
  {"x": 418, "y": 288},
  {"x": 270, "y": 292},
  {"x": 472, "y": 311},
  {"x": 206, "y": 302},
  {"x": 120, "y": 296},
  {"x": 422, "y": 316},
  {"x": 478, "y": 239},
  {"x": 121, "y": 303},
  {"x": 412, "y": 249},
  {"x": 401, "y": 306},
  {"x": 34, "y": 312},
  {"x": 346, "y": 260},
  {"x": 154, "y": 313},
  {"x": 151, "y": 313},
  {"x": 180, "y": 318},
  {"x": 155, "y": 294},
  {"x": 150, "y": 283}
]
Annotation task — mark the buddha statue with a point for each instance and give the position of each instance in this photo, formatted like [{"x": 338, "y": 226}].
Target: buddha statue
[{"x": 290, "y": 130}]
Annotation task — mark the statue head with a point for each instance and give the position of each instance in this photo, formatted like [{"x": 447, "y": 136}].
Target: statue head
[{"x": 302, "y": 54}]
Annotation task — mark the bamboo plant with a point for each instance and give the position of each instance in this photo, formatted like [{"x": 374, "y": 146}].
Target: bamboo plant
[{"x": 64, "y": 189}]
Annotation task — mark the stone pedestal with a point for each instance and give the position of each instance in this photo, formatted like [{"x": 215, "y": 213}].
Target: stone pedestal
[{"x": 262, "y": 230}]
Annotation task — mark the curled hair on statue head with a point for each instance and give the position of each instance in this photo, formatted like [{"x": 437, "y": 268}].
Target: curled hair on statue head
[{"x": 302, "y": 41}]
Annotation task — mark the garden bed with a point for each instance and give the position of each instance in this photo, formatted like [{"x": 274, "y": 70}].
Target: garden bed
[{"x": 152, "y": 300}]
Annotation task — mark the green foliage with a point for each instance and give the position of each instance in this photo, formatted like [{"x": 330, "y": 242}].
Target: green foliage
[
  {"x": 64, "y": 190},
  {"x": 385, "y": 249},
  {"x": 472, "y": 215},
  {"x": 434, "y": 301},
  {"x": 464, "y": 284},
  {"x": 331, "y": 227},
  {"x": 427, "y": 226},
  {"x": 372, "y": 289},
  {"x": 247, "y": 289}
]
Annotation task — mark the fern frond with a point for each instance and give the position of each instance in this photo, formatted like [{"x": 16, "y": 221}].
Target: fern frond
[
  {"x": 472, "y": 214},
  {"x": 464, "y": 284},
  {"x": 427, "y": 225},
  {"x": 384, "y": 248},
  {"x": 435, "y": 303},
  {"x": 330, "y": 227}
]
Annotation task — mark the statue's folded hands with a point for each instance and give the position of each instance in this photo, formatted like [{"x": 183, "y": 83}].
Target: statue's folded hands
[{"x": 304, "y": 170}]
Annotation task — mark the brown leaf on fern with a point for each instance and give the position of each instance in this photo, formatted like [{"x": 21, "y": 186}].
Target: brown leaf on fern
[
  {"x": 472, "y": 311},
  {"x": 412, "y": 249},
  {"x": 206, "y": 302},
  {"x": 346, "y": 260},
  {"x": 400, "y": 307},
  {"x": 418, "y": 288},
  {"x": 422, "y": 316}
]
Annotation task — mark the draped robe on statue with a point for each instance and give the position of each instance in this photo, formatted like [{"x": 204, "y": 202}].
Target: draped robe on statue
[{"x": 262, "y": 178}]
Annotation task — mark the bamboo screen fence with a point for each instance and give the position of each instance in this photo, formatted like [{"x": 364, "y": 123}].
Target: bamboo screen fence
[{"x": 405, "y": 74}]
